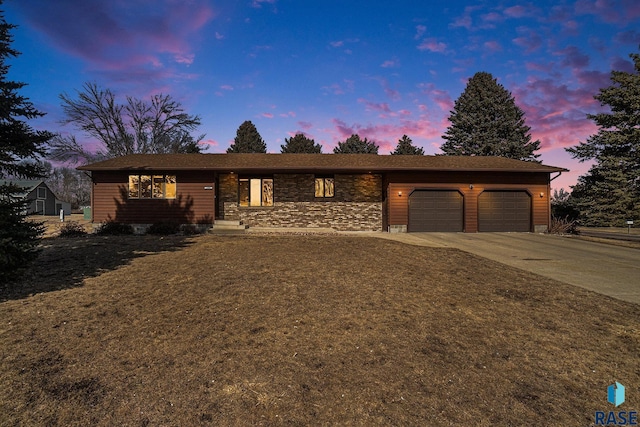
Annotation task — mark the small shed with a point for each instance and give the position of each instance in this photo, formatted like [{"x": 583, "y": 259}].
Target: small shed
[
  {"x": 41, "y": 199},
  {"x": 63, "y": 206}
]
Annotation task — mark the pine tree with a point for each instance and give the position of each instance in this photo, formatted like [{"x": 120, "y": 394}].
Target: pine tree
[
  {"x": 355, "y": 145},
  {"x": 603, "y": 196},
  {"x": 609, "y": 193},
  {"x": 247, "y": 140},
  {"x": 300, "y": 144},
  {"x": 18, "y": 142},
  {"x": 486, "y": 121},
  {"x": 405, "y": 147}
]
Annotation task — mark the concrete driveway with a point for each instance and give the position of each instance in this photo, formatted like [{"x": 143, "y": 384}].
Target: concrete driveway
[{"x": 607, "y": 269}]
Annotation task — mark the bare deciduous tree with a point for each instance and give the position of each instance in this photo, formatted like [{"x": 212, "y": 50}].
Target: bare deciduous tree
[{"x": 137, "y": 126}]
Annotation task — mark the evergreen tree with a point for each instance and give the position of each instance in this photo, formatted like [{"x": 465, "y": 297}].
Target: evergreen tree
[
  {"x": 355, "y": 145},
  {"x": 604, "y": 197},
  {"x": 405, "y": 146},
  {"x": 247, "y": 140},
  {"x": 609, "y": 193},
  {"x": 300, "y": 144},
  {"x": 486, "y": 121},
  {"x": 18, "y": 142}
]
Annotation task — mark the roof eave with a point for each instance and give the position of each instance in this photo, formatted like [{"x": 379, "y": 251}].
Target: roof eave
[{"x": 292, "y": 169}]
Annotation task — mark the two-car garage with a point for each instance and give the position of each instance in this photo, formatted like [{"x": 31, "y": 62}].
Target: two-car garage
[{"x": 444, "y": 211}]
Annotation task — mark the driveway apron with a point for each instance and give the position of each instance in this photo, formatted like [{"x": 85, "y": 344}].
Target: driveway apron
[{"x": 607, "y": 269}]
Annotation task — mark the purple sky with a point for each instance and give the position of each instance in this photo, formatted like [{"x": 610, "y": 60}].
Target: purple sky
[{"x": 331, "y": 68}]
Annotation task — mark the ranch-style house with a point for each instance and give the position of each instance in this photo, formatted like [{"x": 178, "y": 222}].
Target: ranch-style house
[{"x": 367, "y": 192}]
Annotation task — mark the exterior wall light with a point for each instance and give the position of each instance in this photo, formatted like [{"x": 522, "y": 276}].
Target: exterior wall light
[
  {"x": 470, "y": 186},
  {"x": 399, "y": 193},
  {"x": 541, "y": 194}
]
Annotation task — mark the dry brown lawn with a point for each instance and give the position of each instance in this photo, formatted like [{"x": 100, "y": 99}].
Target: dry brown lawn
[{"x": 303, "y": 330}]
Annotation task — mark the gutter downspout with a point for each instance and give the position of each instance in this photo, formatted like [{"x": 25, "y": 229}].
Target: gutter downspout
[
  {"x": 549, "y": 193},
  {"x": 557, "y": 176}
]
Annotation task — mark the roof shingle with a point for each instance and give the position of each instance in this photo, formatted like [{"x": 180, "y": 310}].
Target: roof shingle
[{"x": 316, "y": 162}]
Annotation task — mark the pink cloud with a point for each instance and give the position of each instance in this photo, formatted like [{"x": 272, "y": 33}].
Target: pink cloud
[
  {"x": 432, "y": 45},
  {"x": 529, "y": 40},
  {"x": 557, "y": 113},
  {"x": 520, "y": 11},
  {"x": 492, "y": 46},
  {"x": 258, "y": 3},
  {"x": 372, "y": 106},
  {"x": 128, "y": 37},
  {"x": 571, "y": 26},
  {"x": 267, "y": 115},
  {"x": 340, "y": 89},
  {"x": 391, "y": 93},
  {"x": 610, "y": 11},
  {"x": 339, "y": 43},
  {"x": 386, "y": 135},
  {"x": 573, "y": 57},
  {"x": 390, "y": 63},
  {"x": 420, "y": 30},
  {"x": 300, "y": 132},
  {"x": 490, "y": 20},
  {"x": 206, "y": 143},
  {"x": 305, "y": 125},
  {"x": 440, "y": 98},
  {"x": 465, "y": 20},
  {"x": 537, "y": 66},
  {"x": 628, "y": 37},
  {"x": 622, "y": 64},
  {"x": 185, "y": 59},
  {"x": 226, "y": 87}
]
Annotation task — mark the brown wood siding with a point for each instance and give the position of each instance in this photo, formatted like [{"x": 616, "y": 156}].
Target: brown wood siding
[
  {"x": 467, "y": 178},
  {"x": 193, "y": 203},
  {"x": 535, "y": 184}
]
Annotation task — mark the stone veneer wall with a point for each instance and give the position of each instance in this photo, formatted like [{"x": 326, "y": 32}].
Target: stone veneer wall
[
  {"x": 227, "y": 191},
  {"x": 356, "y": 206},
  {"x": 348, "y": 188},
  {"x": 341, "y": 216}
]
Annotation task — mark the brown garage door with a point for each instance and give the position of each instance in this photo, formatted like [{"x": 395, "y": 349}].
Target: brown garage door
[
  {"x": 504, "y": 211},
  {"x": 435, "y": 210}
]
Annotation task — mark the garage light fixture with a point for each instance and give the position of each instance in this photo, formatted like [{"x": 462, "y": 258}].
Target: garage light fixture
[
  {"x": 541, "y": 194},
  {"x": 399, "y": 193},
  {"x": 470, "y": 186}
]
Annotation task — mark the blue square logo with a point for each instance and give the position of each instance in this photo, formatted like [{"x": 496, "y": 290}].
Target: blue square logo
[{"x": 615, "y": 394}]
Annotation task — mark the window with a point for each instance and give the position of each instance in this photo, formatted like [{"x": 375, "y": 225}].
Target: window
[
  {"x": 42, "y": 193},
  {"x": 324, "y": 187},
  {"x": 152, "y": 186},
  {"x": 255, "y": 192}
]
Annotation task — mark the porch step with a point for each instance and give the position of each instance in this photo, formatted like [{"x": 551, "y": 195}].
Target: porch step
[{"x": 223, "y": 226}]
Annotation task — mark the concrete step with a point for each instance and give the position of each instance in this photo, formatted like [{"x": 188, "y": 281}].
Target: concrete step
[
  {"x": 222, "y": 226},
  {"x": 225, "y": 222}
]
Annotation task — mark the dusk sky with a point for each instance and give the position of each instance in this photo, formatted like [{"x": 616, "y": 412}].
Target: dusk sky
[{"x": 330, "y": 68}]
